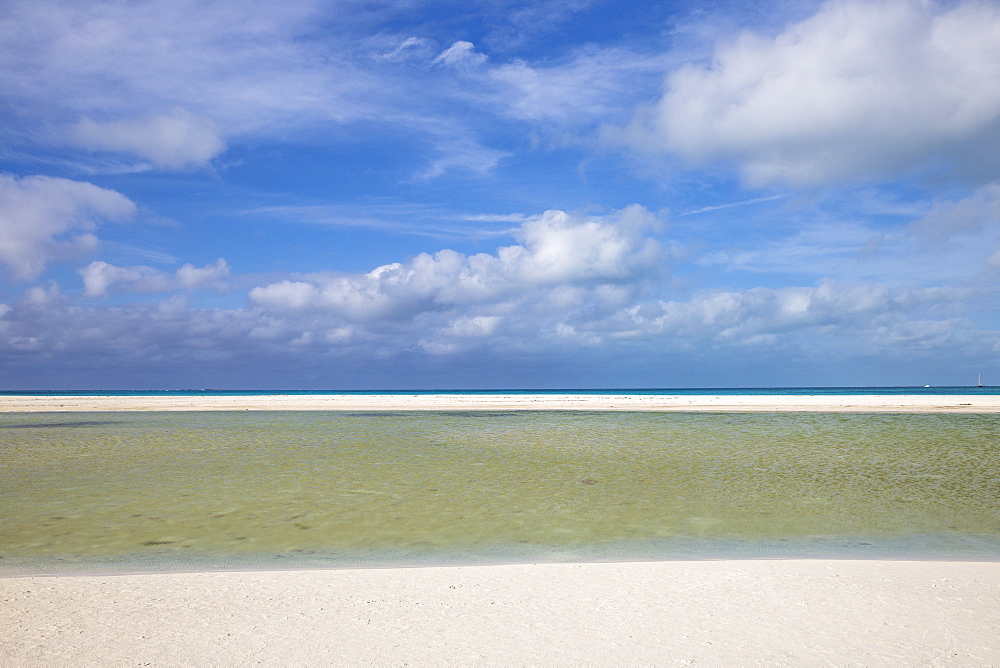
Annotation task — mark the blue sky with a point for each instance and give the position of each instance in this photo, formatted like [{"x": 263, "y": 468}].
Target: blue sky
[{"x": 361, "y": 195}]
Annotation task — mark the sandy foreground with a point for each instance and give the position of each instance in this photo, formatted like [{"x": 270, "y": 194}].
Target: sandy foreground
[
  {"x": 603, "y": 402},
  {"x": 783, "y": 612}
]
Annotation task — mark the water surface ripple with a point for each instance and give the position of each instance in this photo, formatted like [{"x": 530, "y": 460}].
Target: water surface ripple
[{"x": 222, "y": 489}]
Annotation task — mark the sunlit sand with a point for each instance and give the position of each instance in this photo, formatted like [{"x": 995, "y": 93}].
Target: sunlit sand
[{"x": 801, "y": 612}]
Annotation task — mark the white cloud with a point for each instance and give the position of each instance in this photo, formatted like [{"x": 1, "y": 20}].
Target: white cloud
[
  {"x": 967, "y": 229},
  {"x": 945, "y": 241},
  {"x": 576, "y": 327},
  {"x": 828, "y": 248},
  {"x": 461, "y": 54},
  {"x": 211, "y": 275},
  {"x": 463, "y": 154},
  {"x": 243, "y": 69},
  {"x": 595, "y": 86},
  {"x": 176, "y": 140},
  {"x": 747, "y": 315},
  {"x": 580, "y": 289},
  {"x": 560, "y": 248},
  {"x": 410, "y": 47},
  {"x": 151, "y": 335},
  {"x": 99, "y": 277},
  {"x": 732, "y": 205},
  {"x": 496, "y": 217},
  {"x": 44, "y": 218},
  {"x": 286, "y": 295},
  {"x": 268, "y": 68},
  {"x": 557, "y": 251},
  {"x": 241, "y": 64},
  {"x": 411, "y": 218},
  {"x": 861, "y": 90},
  {"x": 475, "y": 326},
  {"x": 968, "y": 216}
]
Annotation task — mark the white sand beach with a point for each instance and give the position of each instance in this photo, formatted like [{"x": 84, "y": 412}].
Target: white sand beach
[
  {"x": 554, "y": 402},
  {"x": 794, "y": 612}
]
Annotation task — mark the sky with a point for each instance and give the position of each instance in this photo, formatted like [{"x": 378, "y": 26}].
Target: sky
[{"x": 352, "y": 194}]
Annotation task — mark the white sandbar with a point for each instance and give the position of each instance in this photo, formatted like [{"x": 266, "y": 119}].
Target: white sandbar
[
  {"x": 555, "y": 402},
  {"x": 784, "y": 612}
]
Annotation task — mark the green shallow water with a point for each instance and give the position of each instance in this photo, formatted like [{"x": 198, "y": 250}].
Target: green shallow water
[{"x": 223, "y": 489}]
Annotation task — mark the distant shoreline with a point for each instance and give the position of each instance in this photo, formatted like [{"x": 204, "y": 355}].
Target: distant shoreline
[{"x": 841, "y": 403}]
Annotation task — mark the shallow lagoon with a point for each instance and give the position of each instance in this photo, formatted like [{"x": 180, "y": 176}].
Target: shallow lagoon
[{"x": 135, "y": 491}]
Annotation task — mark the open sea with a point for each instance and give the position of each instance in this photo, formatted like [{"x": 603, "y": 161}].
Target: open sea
[
  {"x": 135, "y": 491},
  {"x": 725, "y": 391}
]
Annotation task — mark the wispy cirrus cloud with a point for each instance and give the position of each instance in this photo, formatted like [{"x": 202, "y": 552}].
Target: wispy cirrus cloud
[
  {"x": 432, "y": 221},
  {"x": 591, "y": 88},
  {"x": 732, "y": 205},
  {"x": 460, "y": 54}
]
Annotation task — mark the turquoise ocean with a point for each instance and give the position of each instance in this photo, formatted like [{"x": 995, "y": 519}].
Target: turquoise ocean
[{"x": 124, "y": 491}]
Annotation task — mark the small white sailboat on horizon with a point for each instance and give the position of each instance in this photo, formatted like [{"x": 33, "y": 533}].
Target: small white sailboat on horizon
[{"x": 979, "y": 382}]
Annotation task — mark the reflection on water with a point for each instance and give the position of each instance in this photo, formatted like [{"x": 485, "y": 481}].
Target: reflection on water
[{"x": 224, "y": 488}]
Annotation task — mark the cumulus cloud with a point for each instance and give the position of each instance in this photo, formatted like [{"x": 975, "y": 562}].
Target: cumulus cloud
[
  {"x": 45, "y": 218},
  {"x": 574, "y": 281},
  {"x": 556, "y": 251},
  {"x": 176, "y": 140},
  {"x": 99, "y": 277},
  {"x": 578, "y": 325},
  {"x": 212, "y": 275},
  {"x": 863, "y": 89}
]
